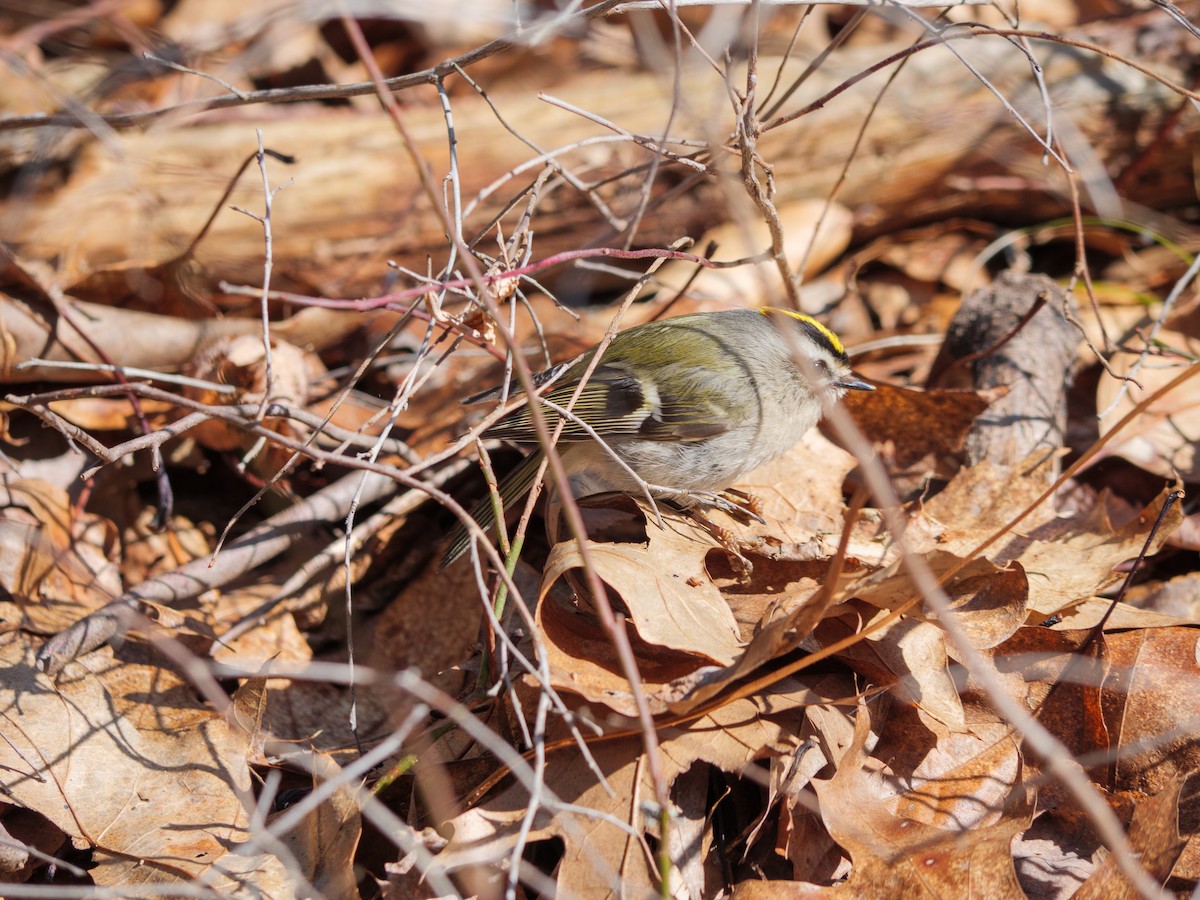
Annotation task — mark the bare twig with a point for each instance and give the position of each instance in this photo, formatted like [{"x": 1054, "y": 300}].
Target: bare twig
[
  {"x": 239, "y": 415},
  {"x": 240, "y": 94},
  {"x": 1176, "y": 292}
]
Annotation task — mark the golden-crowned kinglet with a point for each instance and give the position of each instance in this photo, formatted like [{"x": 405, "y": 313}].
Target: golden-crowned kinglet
[{"x": 690, "y": 404}]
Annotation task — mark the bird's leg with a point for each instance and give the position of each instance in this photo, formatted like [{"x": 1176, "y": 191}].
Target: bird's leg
[{"x": 742, "y": 506}]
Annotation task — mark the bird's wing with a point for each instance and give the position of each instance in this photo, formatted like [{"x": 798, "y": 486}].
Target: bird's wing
[
  {"x": 539, "y": 378},
  {"x": 514, "y": 486},
  {"x": 614, "y": 404}
]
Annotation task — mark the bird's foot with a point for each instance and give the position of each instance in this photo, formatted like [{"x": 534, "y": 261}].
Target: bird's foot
[
  {"x": 742, "y": 567},
  {"x": 746, "y": 506}
]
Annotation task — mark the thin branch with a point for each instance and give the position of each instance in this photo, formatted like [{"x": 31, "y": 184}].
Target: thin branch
[{"x": 390, "y": 300}]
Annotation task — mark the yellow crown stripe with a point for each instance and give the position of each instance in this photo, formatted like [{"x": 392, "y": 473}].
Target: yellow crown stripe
[{"x": 833, "y": 339}]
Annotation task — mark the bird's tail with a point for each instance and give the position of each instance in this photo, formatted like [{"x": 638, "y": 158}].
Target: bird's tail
[{"x": 512, "y": 488}]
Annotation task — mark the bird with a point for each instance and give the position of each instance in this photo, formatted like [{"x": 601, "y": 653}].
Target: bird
[{"x": 686, "y": 405}]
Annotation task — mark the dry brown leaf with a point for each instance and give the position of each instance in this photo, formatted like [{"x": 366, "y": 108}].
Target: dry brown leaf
[
  {"x": 245, "y": 715},
  {"x": 946, "y": 253},
  {"x": 322, "y": 715},
  {"x": 977, "y": 502},
  {"x": 121, "y": 758},
  {"x": 814, "y": 855},
  {"x": 1045, "y": 670},
  {"x": 671, "y": 601},
  {"x": 1150, "y": 706},
  {"x": 277, "y": 639},
  {"x": 1116, "y": 617},
  {"x": 789, "y": 619},
  {"x": 923, "y": 431},
  {"x": 30, "y": 831},
  {"x": 432, "y": 624},
  {"x": 800, "y": 838},
  {"x": 1187, "y": 536},
  {"x": 1044, "y": 865},
  {"x": 55, "y": 566},
  {"x": 322, "y": 845},
  {"x": 580, "y": 658},
  {"x": 150, "y": 551},
  {"x": 734, "y": 733},
  {"x": 157, "y": 788},
  {"x": 964, "y": 781},
  {"x": 1075, "y": 558},
  {"x": 786, "y": 623},
  {"x": 908, "y": 656},
  {"x": 105, "y": 413},
  {"x": 601, "y": 856},
  {"x": 1066, "y": 558},
  {"x": 897, "y": 854},
  {"x": 272, "y": 41},
  {"x": 241, "y": 361},
  {"x": 774, "y": 590},
  {"x": 1178, "y": 596},
  {"x": 801, "y": 499},
  {"x": 580, "y": 655},
  {"x": 988, "y": 600},
  {"x": 1163, "y": 438},
  {"x": 800, "y": 494},
  {"x": 1154, "y": 836}
]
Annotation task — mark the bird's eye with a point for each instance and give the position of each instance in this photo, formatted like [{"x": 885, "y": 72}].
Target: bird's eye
[{"x": 823, "y": 365}]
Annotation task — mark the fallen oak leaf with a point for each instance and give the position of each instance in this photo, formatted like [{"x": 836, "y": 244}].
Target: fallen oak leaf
[
  {"x": 1115, "y": 617},
  {"x": 670, "y": 600},
  {"x": 988, "y": 600},
  {"x": 1075, "y": 558},
  {"x": 55, "y": 566},
  {"x": 907, "y": 656},
  {"x": 605, "y": 831},
  {"x": 1149, "y": 708},
  {"x": 155, "y": 788},
  {"x": 799, "y": 495},
  {"x": 895, "y": 854},
  {"x": 1164, "y": 435},
  {"x": 679, "y": 618},
  {"x": 1154, "y": 834},
  {"x": 1066, "y": 557},
  {"x": 927, "y": 428}
]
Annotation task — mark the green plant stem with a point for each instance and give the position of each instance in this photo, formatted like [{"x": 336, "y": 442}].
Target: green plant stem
[
  {"x": 510, "y": 565},
  {"x": 664, "y": 853}
]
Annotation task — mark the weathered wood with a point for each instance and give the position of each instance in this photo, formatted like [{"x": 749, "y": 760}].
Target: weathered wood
[
  {"x": 31, "y": 328},
  {"x": 998, "y": 340},
  {"x": 355, "y": 202}
]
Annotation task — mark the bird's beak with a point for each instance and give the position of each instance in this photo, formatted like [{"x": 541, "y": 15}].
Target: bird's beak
[{"x": 854, "y": 384}]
